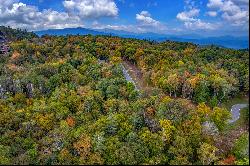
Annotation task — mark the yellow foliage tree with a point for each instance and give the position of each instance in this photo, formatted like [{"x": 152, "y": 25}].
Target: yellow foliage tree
[{"x": 167, "y": 129}]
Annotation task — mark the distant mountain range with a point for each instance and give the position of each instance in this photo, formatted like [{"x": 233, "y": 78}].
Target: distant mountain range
[{"x": 223, "y": 41}]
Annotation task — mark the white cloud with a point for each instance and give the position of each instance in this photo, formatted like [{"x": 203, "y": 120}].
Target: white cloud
[
  {"x": 7, "y": 3},
  {"x": 144, "y": 18},
  {"x": 188, "y": 15},
  {"x": 236, "y": 12},
  {"x": 91, "y": 8},
  {"x": 215, "y": 3},
  {"x": 19, "y": 15},
  {"x": 237, "y": 19},
  {"x": 212, "y": 13},
  {"x": 146, "y": 22},
  {"x": 198, "y": 24},
  {"x": 193, "y": 23}
]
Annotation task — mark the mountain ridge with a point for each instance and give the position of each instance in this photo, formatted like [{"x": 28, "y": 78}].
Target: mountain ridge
[{"x": 234, "y": 42}]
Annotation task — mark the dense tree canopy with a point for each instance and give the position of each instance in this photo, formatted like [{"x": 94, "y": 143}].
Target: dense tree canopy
[{"x": 59, "y": 104}]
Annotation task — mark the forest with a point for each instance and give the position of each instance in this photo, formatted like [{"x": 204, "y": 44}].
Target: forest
[{"x": 64, "y": 100}]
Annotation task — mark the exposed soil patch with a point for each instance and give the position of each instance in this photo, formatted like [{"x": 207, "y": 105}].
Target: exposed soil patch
[
  {"x": 15, "y": 55},
  {"x": 137, "y": 77}
]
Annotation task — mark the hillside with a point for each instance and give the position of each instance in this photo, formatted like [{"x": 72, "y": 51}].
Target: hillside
[
  {"x": 15, "y": 34},
  {"x": 65, "y": 100}
]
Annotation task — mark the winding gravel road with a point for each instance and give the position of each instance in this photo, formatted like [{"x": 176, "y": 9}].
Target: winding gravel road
[
  {"x": 128, "y": 77},
  {"x": 235, "y": 110}
]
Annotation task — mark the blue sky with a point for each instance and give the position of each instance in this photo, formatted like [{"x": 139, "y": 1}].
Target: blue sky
[{"x": 204, "y": 17}]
